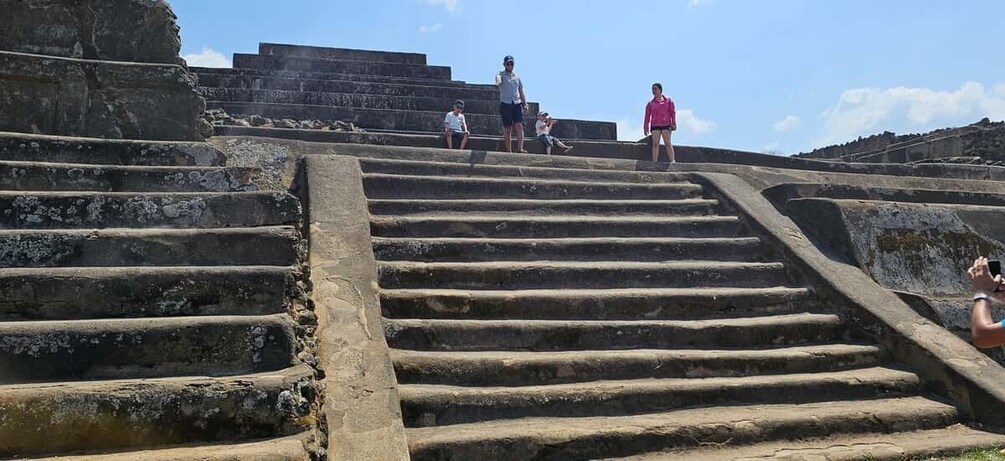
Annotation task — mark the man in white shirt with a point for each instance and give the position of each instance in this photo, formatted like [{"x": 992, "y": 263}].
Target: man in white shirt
[
  {"x": 455, "y": 127},
  {"x": 512, "y": 104}
]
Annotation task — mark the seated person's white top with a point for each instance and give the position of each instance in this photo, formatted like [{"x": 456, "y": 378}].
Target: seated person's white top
[
  {"x": 541, "y": 127},
  {"x": 455, "y": 122}
]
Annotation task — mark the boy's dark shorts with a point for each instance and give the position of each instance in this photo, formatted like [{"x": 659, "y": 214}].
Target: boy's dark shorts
[
  {"x": 547, "y": 139},
  {"x": 457, "y": 136},
  {"x": 511, "y": 114}
]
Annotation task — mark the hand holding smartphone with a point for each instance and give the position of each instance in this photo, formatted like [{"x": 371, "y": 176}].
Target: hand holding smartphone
[{"x": 995, "y": 267}]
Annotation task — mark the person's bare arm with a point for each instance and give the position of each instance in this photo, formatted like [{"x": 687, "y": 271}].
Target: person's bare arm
[
  {"x": 984, "y": 331},
  {"x": 523, "y": 97}
]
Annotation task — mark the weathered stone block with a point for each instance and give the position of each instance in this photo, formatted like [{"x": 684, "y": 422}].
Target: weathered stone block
[
  {"x": 120, "y": 30},
  {"x": 318, "y": 52},
  {"x": 221, "y": 81},
  {"x": 913, "y": 247},
  {"x": 103, "y": 99},
  {"x": 288, "y": 63},
  {"x": 370, "y": 101}
]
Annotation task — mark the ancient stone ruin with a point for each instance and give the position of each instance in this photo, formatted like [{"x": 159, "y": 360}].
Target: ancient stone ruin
[
  {"x": 981, "y": 143},
  {"x": 332, "y": 284},
  {"x": 93, "y": 68}
]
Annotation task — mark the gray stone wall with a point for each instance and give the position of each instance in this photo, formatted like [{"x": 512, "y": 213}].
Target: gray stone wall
[
  {"x": 119, "y": 30},
  {"x": 96, "y": 68}
]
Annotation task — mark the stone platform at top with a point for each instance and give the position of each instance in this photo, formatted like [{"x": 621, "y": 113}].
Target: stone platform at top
[{"x": 376, "y": 90}]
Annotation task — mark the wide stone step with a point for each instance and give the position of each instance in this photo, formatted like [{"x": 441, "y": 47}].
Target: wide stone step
[
  {"x": 405, "y": 120},
  {"x": 512, "y": 368},
  {"x": 299, "y": 64},
  {"x": 489, "y": 106},
  {"x": 517, "y": 275},
  {"x": 439, "y": 405},
  {"x": 948, "y": 442},
  {"x": 320, "y": 52},
  {"x": 533, "y": 207},
  {"x": 389, "y": 87},
  {"x": 283, "y": 449},
  {"x": 37, "y": 176},
  {"x": 594, "y": 304},
  {"x": 599, "y": 437},
  {"x": 213, "y": 72},
  {"x": 143, "y": 348},
  {"x": 569, "y": 226},
  {"x": 477, "y": 143},
  {"x": 20, "y": 147},
  {"x": 273, "y": 245},
  {"x": 557, "y": 335},
  {"x": 389, "y": 166},
  {"x": 580, "y": 249},
  {"x": 125, "y": 292},
  {"x": 65, "y": 417},
  {"x": 87, "y": 210},
  {"x": 380, "y": 186}
]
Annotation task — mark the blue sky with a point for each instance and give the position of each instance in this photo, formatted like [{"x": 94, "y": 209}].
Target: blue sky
[{"x": 772, "y": 75}]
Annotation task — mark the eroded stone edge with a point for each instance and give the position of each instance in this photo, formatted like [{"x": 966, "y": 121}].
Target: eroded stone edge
[
  {"x": 974, "y": 381},
  {"x": 361, "y": 403}
]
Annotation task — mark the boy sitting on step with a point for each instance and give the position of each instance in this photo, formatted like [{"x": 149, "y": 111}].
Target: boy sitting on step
[
  {"x": 455, "y": 127},
  {"x": 543, "y": 129}
]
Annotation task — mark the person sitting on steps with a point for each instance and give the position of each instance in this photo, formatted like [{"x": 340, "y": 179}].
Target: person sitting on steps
[
  {"x": 543, "y": 129},
  {"x": 455, "y": 127},
  {"x": 985, "y": 332},
  {"x": 660, "y": 111}
]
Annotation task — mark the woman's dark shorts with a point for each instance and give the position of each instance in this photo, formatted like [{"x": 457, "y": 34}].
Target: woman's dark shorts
[
  {"x": 660, "y": 128},
  {"x": 511, "y": 114}
]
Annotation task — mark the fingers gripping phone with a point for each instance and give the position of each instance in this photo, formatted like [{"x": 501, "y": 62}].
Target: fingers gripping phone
[{"x": 995, "y": 267}]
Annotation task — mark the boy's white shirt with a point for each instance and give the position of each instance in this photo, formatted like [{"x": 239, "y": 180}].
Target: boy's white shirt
[
  {"x": 541, "y": 127},
  {"x": 450, "y": 118}
]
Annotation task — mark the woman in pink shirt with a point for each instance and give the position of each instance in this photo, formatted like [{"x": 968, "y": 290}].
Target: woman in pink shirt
[{"x": 660, "y": 111}]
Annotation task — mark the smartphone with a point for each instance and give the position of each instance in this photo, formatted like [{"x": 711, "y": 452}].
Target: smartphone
[{"x": 995, "y": 267}]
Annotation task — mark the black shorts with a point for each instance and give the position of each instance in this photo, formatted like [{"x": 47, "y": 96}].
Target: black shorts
[
  {"x": 458, "y": 136},
  {"x": 547, "y": 139},
  {"x": 660, "y": 128},
  {"x": 511, "y": 114}
]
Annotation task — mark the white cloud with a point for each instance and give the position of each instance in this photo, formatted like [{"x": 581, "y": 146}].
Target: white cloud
[
  {"x": 790, "y": 122},
  {"x": 207, "y": 58},
  {"x": 449, "y": 5},
  {"x": 628, "y": 131},
  {"x": 865, "y": 111},
  {"x": 687, "y": 121},
  {"x": 430, "y": 29},
  {"x": 694, "y": 3}
]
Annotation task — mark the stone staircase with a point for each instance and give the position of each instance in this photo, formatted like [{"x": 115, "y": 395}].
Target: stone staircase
[
  {"x": 146, "y": 294},
  {"x": 544, "y": 313},
  {"x": 376, "y": 90}
]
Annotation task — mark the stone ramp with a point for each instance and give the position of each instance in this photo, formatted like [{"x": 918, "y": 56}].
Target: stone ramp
[
  {"x": 515, "y": 336},
  {"x": 145, "y": 300},
  {"x": 372, "y": 89}
]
